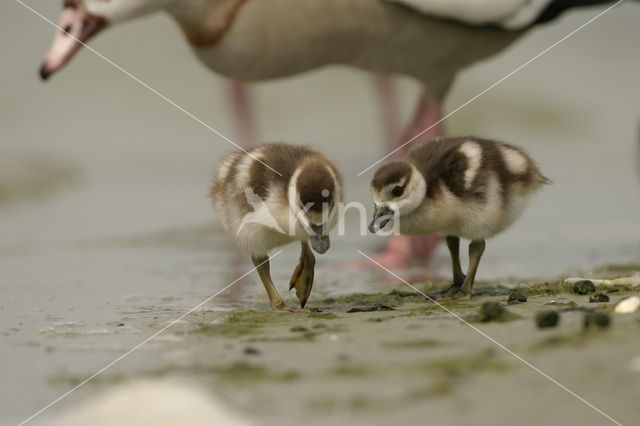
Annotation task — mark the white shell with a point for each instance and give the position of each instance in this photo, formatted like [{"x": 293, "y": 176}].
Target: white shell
[{"x": 628, "y": 305}]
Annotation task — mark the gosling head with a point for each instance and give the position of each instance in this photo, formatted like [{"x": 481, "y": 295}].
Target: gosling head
[
  {"x": 397, "y": 188},
  {"x": 313, "y": 196}
]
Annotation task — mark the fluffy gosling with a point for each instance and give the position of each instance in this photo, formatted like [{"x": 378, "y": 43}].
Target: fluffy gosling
[
  {"x": 462, "y": 187},
  {"x": 262, "y": 209}
]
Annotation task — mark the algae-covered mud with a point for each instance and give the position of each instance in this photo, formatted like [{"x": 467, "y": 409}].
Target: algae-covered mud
[{"x": 409, "y": 358}]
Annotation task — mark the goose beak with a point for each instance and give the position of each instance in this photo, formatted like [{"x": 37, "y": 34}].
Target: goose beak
[
  {"x": 319, "y": 239},
  {"x": 78, "y": 26},
  {"x": 381, "y": 217}
]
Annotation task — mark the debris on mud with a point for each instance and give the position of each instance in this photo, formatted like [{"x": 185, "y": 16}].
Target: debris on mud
[
  {"x": 250, "y": 350},
  {"x": 570, "y": 304},
  {"x": 598, "y": 298},
  {"x": 547, "y": 319},
  {"x": 495, "y": 312},
  {"x": 370, "y": 308},
  {"x": 596, "y": 319},
  {"x": 584, "y": 287},
  {"x": 516, "y": 297}
]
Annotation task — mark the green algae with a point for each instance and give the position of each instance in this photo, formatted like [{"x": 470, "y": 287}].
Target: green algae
[
  {"x": 227, "y": 330},
  {"x": 322, "y": 315},
  {"x": 493, "y": 312},
  {"x": 560, "y": 340},
  {"x": 482, "y": 361},
  {"x": 446, "y": 305},
  {"x": 618, "y": 269},
  {"x": 350, "y": 370},
  {"x": 237, "y": 372},
  {"x": 309, "y": 336},
  {"x": 441, "y": 386},
  {"x": 411, "y": 344},
  {"x": 356, "y": 402},
  {"x": 73, "y": 380},
  {"x": 392, "y": 299},
  {"x": 241, "y": 323},
  {"x": 256, "y": 317}
]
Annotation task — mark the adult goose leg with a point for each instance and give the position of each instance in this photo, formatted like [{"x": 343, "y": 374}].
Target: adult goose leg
[
  {"x": 302, "y": 278},
  {"x": 240, "y": 100},
  {"x": 402, "y": 249}
]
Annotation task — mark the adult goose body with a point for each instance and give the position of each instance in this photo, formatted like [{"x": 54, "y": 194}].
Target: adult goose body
[{"x": 255, "y": 40}]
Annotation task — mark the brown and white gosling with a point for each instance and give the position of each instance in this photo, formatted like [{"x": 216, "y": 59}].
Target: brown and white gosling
[
  {"x": 463, "y": 187},
  {"x": 275, "y": 194}
]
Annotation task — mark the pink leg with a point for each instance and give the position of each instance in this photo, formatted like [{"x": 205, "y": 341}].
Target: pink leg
[
  {"x": 388, "y": 107},
  {"x": 240, "y": 99},
  {"x": 401, "y": 250}
]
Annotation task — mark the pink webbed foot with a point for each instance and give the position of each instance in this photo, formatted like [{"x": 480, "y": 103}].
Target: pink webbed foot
[{"x": 402, "y": 252}]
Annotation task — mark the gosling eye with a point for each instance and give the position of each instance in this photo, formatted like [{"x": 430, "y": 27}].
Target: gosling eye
[{"x": 397, "y": 191}]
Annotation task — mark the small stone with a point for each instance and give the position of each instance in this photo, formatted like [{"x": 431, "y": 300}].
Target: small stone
[
  {"x": 598, "y": 298},
  {"x": 596, "y": 319},
  {"x": 251, "y": 351},
  {"x": 491, "y": 311},
  {"x": 120, "y": 324},
  {"x": 370, "y": 309},
  {"x": 516, "y": 296},
  {"x": 547, "y": 319},
  {"x": 584, "y": 287},
  {"x": 628, "y": 305}
]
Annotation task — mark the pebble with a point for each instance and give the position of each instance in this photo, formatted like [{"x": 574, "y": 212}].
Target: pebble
[
  {"x": 584, "y": 287},
  {"x": 251, "y": 351},
  {"x": 596, "y": 319},
  {"x": 598, "y": 298},
  {"x": 547, "y": 319},
  {"x": 516, "y": 296},
  {"x": 628, "y": 305},
  {"x": 490, "y": 311}
]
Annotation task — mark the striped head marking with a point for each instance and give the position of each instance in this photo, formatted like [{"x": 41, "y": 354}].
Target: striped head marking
[{"x": 399, "y": 186}]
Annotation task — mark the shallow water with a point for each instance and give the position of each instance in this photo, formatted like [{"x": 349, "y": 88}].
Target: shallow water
[{"x": 111, "y": 224}]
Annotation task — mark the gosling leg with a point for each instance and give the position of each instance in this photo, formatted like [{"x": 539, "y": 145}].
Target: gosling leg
[
  {"x": 302, "y": 278},
  {"x": 264, "y": 271},
  {"x": 453, "y": 243},
  {"x": 476, "y": 248}
]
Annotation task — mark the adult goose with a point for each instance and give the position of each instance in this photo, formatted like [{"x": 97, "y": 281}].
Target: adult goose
[{"x": 255, "y": 40}]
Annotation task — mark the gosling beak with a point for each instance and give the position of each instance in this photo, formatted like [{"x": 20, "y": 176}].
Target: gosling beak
[
  {"x": 77, "y": 24},
  {"x": 319, "y": 239},
  {"x": 381, "y": 217}
]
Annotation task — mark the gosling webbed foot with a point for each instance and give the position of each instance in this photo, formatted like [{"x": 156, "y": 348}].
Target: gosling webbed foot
[
  {"x": 455, "y": 291},
  {"x": 302, "y": 277},
  {"x": 449, "y": 292},
  {"x": 292, "y": 310}
]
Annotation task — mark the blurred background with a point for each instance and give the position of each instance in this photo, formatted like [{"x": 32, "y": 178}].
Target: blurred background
[{"x": 103, "y": 185}]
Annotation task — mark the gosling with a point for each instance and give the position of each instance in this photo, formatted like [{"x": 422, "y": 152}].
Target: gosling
[
  {"x": 275, "y": 194},
  {"x": 462, "y": 187}
]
